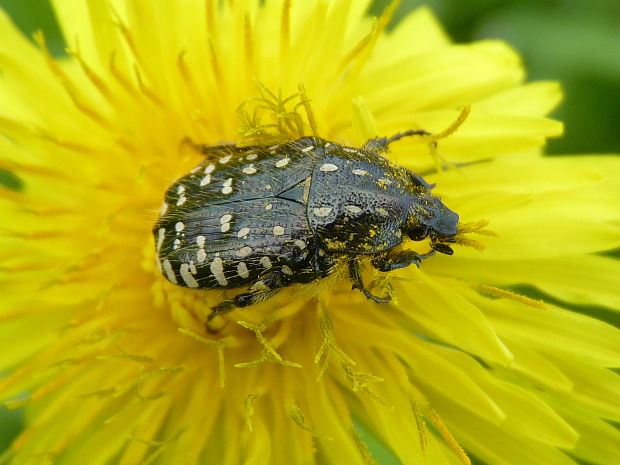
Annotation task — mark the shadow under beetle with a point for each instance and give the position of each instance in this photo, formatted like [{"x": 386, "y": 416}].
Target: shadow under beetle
[{"x": 267, "y": 217}]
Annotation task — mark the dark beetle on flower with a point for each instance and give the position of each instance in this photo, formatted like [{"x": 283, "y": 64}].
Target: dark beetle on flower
[{"x": 267, "y": 217}]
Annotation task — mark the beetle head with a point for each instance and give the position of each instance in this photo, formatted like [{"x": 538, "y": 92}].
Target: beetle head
[{"x": 429, "y": 217}]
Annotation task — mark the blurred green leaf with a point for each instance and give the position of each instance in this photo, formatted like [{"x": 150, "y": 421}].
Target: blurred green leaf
[
  {"x": 10, "y": 180},
  {"x": 36, "y": 15},
  {"x": 11, "y": 423}
]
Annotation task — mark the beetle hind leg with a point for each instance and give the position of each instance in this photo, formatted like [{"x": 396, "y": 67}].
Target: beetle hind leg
[
  {"x": 261, "y": 290},
  {"x": 356, "y": 277}
]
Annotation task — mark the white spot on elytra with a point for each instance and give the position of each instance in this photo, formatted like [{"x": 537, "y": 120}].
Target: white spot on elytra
[
  {"x": 180, "y": 226},
  {"x": 307, "y": 149},
  {"x": 322, "y": 211},
  {"x": 225, "y": 159},
  {"x": 328, "y": 167},
  {"x": 180, "y": 189},
  {"x": 265, "y": 262},
  {"x": 227, "y": 189},
  {"x": 225, "y": 227},
  {"x": 200, "y": 240},
  {"x": 349, "y": 149},
  {"x": 382, "y": 211},
  {"x": 217, "y": 268},
  {"x": 242, "y": 270},
  {"x": 201, "y": 255},
  {"x": 278, "y": 231},
  {"x": 251, "y": 169},
  {"x": 287, "y": 270},
  {"x": 268, "y": 187},
  {"x": 182, "y": 200},
  {"x": 164, "y": 208},
  {"x": 251, "y": 156},
  {"x": 210, "y": 168},
  {"x": 169, "y": 271},
  {"x": 225, "y": 218},
  {"x": 360, "y": 172},
  {"x": 244, "y": 251},
  {"x": 177, "y": 244},
  {"x": 353, "y": 208},
  {"x": 186, "y": 274},
  {"x": 301, "y": 244},
  {"x": 268, "y": 207},
  {"x": 243, "y": 232},
  {"x": 160, "y": 238},
  {"x": 282, "y": 163},
  {"x": 206, "y": 180}
]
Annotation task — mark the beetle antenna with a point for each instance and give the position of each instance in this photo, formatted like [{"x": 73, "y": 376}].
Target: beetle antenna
[{"x": 381, "y": 144}]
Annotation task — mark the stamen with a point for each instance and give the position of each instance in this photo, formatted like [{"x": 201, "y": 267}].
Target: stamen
[
  {"x": 146, "y": 376},
  {"x": 420, "y": 424},
  {"x": 121, "y": 78},
  {"x": 146, "y": 91},
  {"x": 363, "y": 49},
  {"x": 363, "y": 448},
  {"x": 248, "y": 45},
  {"x": 309, "y": 113},
  {"x": 219, "y": 345},
  {"x": 286, "y": 122},
  {"x": 70, "y": 88},
  {"x": 358, "y": 380},
  {"x": 446, "y": 435},
  {"x": 215, "y": 63},
  {"x": 285, "y": 31},
  {"x": 269, "y": 353},
  {"x": 159, "y": 446},
  {"x": 329, "y": 346},
  {"x": 248, "y": 406},
  {"x": 90, "y": 73},
  {"x": 505, "y": 294},
  {"x": 298, "y": 418}
]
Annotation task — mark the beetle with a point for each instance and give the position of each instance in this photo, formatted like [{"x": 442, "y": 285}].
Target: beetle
[{"x": 266, "y": 217}]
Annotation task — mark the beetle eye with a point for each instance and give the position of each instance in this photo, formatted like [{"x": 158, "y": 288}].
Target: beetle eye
[{"x": 418, "y": 233}]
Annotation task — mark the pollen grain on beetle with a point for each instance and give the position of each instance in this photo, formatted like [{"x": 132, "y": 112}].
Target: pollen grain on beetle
[{"x": 267, "y": 232}]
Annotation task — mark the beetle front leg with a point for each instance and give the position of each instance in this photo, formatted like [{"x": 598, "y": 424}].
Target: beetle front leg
[
  {"x": 356, "y": 277},
  {"x": 389, "y": 262}
]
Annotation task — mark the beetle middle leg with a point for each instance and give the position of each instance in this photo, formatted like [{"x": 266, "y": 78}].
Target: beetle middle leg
[
  {"x": 356, "y": 277},
  {"x": 261, "y": 290},
  {"x": 389, "y": 262}
]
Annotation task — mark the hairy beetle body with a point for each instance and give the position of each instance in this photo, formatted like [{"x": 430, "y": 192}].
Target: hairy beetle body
[{"x": 266, "y": 217}]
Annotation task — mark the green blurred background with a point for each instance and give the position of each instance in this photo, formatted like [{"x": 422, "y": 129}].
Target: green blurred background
[{"x": 575, "y": 42}]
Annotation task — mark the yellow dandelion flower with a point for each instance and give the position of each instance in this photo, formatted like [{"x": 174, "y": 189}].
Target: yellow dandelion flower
[{"x": 113, "y": 363}]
